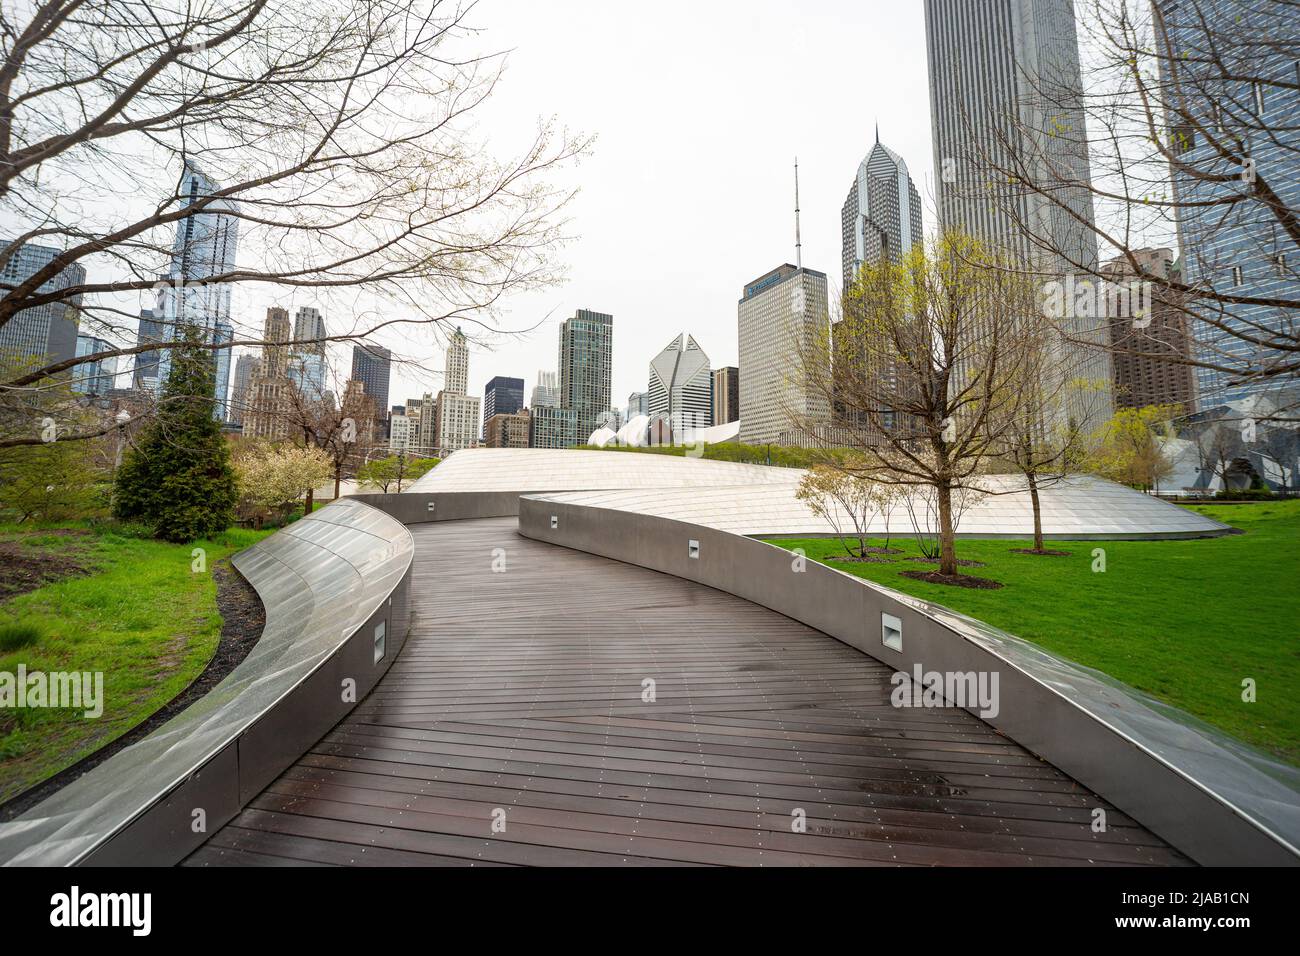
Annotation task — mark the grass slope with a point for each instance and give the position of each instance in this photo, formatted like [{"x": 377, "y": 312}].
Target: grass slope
[
  {"x": 142, "y": 617},
  {"x": 777, "y": 455},
  {"x": 1185, "y": 621}
]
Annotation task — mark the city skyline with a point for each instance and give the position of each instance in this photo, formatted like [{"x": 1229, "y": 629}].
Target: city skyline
[
  {"x": 907, "y": 126},
  {"x": 599, "y": 273}
]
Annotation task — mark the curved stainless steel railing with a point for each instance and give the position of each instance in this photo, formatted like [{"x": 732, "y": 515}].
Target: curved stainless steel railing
[{"x": 320, "y": 579}]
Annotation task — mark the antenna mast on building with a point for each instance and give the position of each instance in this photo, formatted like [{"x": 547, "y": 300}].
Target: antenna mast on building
[{"x": 798, "y": 246}]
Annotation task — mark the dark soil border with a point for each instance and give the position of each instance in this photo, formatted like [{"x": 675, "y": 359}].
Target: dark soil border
[
  {"x": 22, "y": 572},
  {"x": 961, "y": 562},
  {"x": 242, "y": 620},
  {"x": 954, "y": 580}
]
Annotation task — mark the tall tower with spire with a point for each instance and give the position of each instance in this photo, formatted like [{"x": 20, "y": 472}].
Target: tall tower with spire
[
  {"x": 881, "y": 217},
  {"x": 781, "y": 317},
  {"x": 455, "y": 422}
]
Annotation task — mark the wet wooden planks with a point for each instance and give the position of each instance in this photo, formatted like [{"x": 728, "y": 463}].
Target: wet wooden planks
[{"x": 557, "y": 708}]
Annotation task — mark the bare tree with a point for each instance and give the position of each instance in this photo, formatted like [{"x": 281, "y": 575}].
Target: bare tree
[
  {"x": 1184, "y": 133},
  {"x": 1187, "y": 122},
  {"x": 329, "y": 139},
  {"x": 922, "y": 370},
  {"x": 839, "y": 495},
  {"x": 1219, "y": 445},
  {"x": 1281, "y": 445},
  {"x": 922, "y": 507},
  {"x": 1047, "y": 438}
]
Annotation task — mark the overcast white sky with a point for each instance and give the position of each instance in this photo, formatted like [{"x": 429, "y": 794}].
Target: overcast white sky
[{"x": 699, "y": 110}]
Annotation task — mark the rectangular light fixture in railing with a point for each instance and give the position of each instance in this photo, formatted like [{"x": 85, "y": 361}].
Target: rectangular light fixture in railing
[{"x": 891, "y": 632}]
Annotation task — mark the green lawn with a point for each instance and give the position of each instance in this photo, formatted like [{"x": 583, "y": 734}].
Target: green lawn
[
  {"x": 142, "y": 616},
  {"x": 1185, "y": 621},
  {"x": 778, "y": 455}
]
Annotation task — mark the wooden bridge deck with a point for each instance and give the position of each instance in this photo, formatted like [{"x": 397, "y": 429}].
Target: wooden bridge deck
[{"x": 517, "y": 703}]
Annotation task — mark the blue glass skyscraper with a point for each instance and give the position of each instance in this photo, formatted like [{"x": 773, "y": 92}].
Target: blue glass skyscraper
[
  {"x": 1234, "y": 90},
  {"x": 204, "y": 246}
]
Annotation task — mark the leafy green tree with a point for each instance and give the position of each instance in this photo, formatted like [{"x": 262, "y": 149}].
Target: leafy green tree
[
  {"x": 178, "y": 478},
  {"x": 275, "y": 479},
  {"x": 393, "y": 471},
  {"x": 50, "y": 479},
  {"x": 53, "y": 481},
  {"x": 1131, "y": 449}
]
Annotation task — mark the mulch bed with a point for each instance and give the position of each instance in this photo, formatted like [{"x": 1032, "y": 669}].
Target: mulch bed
[
  {"x": 1045, "y": 551},
  {"x": 875, "y": 550},
  {"x": 961, "y": 562},
  {"x": 865, "y": 559},
  {"x": 24, "y": 569},
  {"x": 956, "y": 580},
  {"x": 242, "y": 620}
]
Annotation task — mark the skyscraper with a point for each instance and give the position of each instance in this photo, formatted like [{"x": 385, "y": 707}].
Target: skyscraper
[
  {"x": 373, "y": 366},
  {"x": 425, "y": 430},
  {"x": 781, "y": 316},
  {"x": 456, "y": 415},
  {"x": 47, "y": 333},
  {"x": 204, "y": 248},
  {"x": 402, "y": 436},
  {"x": 502, "y": 396},
  {"x": 150, "y": 330},
  {"x": 1147, "y": 350},
  {"x": 275, "y": 357},
  {"x": 94, "y": 378},
  {"x": 681, "y": 386},
  {"x": 552, "y": 427},
  {"x": 637, "y": 404},
  {"x": 309, "y": 329},
  {"x": 1005, "y": 94},
  {"x": 546, "y": 393},
  {"x": 881, "y": 217},
  {"x": 307, "y": 367},
  {"x": 263, "y": 406},
  {"x": 455, "y": 377},
  {"x": 1222, "y": 47},
  {"x": 1002, "y": 71},
  {"x": 246, "y": 369},
  {"x": 586, "y": 342},
  {"x": 726, "y": 395},
  {"x": 880, "y": 221}
]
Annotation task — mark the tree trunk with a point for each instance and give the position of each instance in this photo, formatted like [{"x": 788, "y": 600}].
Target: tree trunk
[
  {"x": 1038, "y": 511},
  {"x": 338, "y": 478},
  {"x": 306, "y": 508},
  {"x": 947, "y": 544}
]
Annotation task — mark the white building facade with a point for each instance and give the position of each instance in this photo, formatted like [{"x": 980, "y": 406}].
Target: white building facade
[{"x": 681, "y": 386}]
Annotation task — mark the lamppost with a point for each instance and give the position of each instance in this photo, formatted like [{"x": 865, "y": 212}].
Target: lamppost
[{"x": 123, "y": 417}]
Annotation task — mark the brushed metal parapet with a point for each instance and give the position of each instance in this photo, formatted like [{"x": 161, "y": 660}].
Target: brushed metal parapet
[{"x": 326, "y": 581}]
